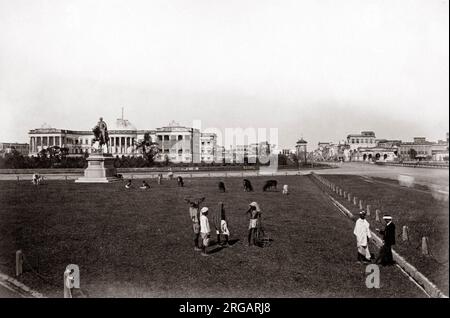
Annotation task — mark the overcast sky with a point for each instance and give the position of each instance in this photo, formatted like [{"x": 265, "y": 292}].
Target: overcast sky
[{"x": 318, "y": 69}]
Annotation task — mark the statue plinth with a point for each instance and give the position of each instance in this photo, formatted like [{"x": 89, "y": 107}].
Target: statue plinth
[{"x": 100, "y": 169}]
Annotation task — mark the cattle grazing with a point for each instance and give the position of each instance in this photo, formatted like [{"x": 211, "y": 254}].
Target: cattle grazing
[
  {"x": 247, "y": 185},
  {"x": 221, "y": 186},
  {"x": 180, "y": 182},
  {"x": 270, "y": 184}
]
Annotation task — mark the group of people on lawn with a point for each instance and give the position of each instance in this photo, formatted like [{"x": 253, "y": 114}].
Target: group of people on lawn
[
  {"x": 202, "y": 230},
  {"x": 363, "y": 235}
]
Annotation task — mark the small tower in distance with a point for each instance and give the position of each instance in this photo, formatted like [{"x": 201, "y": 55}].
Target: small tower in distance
[{"x": 301, "y": 150}]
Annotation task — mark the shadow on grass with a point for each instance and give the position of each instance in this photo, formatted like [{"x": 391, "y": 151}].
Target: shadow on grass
[
  {"x": 264, "y": 242},
  {"x": 218, "y": 248},
  {"x": 233, "y": 241}
]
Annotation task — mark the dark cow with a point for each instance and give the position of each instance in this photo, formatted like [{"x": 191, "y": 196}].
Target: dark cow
[
  {"x": 180, "y": 182},
  {"x": 270, "y": 184},
  {"x": 221, "y": 186},
  {"x": 247, "y": 185}
]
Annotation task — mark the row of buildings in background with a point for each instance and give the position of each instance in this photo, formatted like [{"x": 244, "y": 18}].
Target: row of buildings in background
[
  {"x": 366, "y": 147},
  {"x": 182, "y": 144},
  {"x": 176, "y": 143}
]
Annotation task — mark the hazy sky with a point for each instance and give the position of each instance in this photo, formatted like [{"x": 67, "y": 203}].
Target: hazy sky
[{"x": 321, "y": 69}]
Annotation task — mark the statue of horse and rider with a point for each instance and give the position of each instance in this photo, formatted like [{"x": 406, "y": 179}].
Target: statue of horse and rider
[{"x": 101, "y": 134}]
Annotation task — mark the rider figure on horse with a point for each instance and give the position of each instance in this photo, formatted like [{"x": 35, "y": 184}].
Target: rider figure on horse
[{"x": 101, "y": 133}]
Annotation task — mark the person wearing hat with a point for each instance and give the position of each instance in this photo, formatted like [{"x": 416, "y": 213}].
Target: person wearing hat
[
  {"x": 362, "y": 233},
  {"x": 255, "y": 213},
  {"x": 388, "y": 233},
  {"x": 204, "y": 229}
]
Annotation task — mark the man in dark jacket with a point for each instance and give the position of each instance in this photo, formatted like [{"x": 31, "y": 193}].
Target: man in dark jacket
[
  {"x": 194, "y": 213},
  {"x": 385, "y": 257}
]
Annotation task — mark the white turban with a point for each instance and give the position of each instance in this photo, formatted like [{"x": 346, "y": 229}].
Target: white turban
[
  {"x": 256, "y": 206},
  {"x": 204, "y": 210}
]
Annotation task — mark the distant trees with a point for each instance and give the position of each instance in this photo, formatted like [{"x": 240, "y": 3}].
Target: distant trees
[
  {"x": 282, "y": 160},
  {"x": 412, "y": 153},
  {"x": 52, "y": 157},
  {"x": 149, "y": 148}
]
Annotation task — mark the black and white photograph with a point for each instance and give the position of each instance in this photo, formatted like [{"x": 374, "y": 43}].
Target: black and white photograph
[{"x": 240, "y": 150}]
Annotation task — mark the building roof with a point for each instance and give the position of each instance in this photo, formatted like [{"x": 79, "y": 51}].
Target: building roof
[
  {"x": 122, "y": 124},
  {"x": 302, "y": 141},
  {"x": 363, "y": 134}
]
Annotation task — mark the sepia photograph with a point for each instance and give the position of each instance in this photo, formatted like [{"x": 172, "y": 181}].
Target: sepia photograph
[{"x": 241, "y": 151}]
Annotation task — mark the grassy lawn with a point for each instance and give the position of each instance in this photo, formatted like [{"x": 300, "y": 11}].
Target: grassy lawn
[
  {"x": 138, "y": 243},
  {"x": 417, "y": 208}
]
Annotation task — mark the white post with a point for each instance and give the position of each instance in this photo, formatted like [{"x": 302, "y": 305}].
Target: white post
[
  {"x": 377, "y": 215},
  {"x": 425, "y": 250},
  {"x": 19, "y": 263},
  {"x": 405, "y": 233}
]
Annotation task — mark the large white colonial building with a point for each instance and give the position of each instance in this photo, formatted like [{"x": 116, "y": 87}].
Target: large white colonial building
[
  {"x": 123, "y": 137},
  {"x": 365, "y": 139},
  {"x": 176, "y": 143}
]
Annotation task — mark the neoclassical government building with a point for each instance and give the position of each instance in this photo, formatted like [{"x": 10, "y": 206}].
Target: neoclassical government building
[{"x": 177, "y": 143}]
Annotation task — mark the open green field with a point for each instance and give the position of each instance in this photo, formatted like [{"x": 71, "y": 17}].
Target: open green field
[
  {"x": 138, "y": 243},
  {"x": 421, "y": 210}
]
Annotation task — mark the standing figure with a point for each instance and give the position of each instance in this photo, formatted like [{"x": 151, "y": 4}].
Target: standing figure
[
  {"x": 388, "y": 233},
  {"x": 35, "y": 178},
  {"x": 180, "y": 181},
  {"x": 285, "y": 189},
  {"x": 68, "y": 283},
  {"x": 362, "y": 233},
  {"x": 255, "y": 213},
  {"x": 221, "y": 225},
  {"x": 204, "y": 229},
  {"x": 194, "y": 213},
  {"x": 221, "y": 186},
  {"x": 160, "y": 176}
]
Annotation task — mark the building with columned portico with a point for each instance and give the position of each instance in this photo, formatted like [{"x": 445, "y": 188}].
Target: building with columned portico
[{"x": 177, "y": 143}]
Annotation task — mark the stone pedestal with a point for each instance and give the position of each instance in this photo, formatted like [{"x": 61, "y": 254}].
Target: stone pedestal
[{"x": 100, "y": 169}]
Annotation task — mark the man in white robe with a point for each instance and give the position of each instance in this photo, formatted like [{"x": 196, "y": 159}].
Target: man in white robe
[
  {"x": 362, "y": 233},
  {"x": 204, "y": 229}
]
